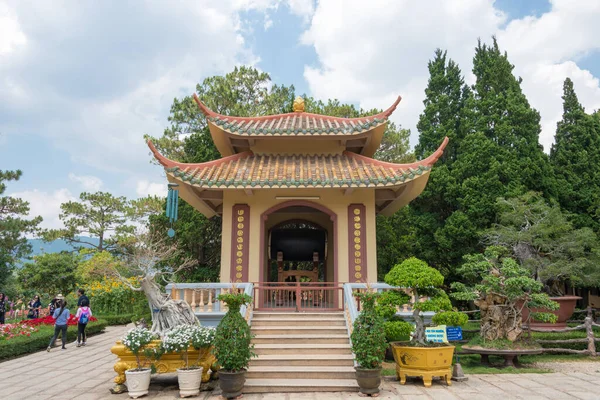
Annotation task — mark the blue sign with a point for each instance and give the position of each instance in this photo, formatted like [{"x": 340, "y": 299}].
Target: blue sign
[{"x": 454, "y": 333}]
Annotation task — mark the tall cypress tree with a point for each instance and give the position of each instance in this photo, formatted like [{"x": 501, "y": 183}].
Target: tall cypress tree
[
  {"x": 494, "y": 152},
  {"x": 575, "y": 157},
  {"x": 448, "y": 102}
]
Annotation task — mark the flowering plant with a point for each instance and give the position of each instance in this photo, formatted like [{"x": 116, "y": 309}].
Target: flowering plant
[
  {"x": 135, "y": 340},
  {"x": 203, "y": 336},
  {"x": 178, "y": 340},
  {"x": 49, "y": 320},
  {"x": 10, "y": 331}
]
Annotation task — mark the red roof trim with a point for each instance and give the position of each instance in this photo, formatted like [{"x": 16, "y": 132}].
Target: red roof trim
[
  {"x": 209, "y": 113},
  {"x": 165, "y": 162},
  {"x": 429, "y": 161}
]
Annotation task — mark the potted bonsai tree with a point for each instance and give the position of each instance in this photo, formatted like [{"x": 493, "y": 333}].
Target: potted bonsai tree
[
  {"x": 419, "y": 357},
  {"x": 368, "y": 345},
  {"x": 501, "y": 288},
  {"x": 138, "y": 379},
  {"x": 178, "y": 340},
  {"x": 233, "y": 346},
  {"x": 395, "y": 328},
  {"x": 543, "y": 240}
]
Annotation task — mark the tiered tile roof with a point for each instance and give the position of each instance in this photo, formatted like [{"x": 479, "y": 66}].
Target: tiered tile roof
[{"x": 295, "y": 123}]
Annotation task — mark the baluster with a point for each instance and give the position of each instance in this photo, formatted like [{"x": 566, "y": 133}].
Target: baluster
[
  {"x": 217, "y": 305},
  {"x": 210, "y": 305},
  {"x": 193, "y": 300},
  {"x": 174, "y": 293}
]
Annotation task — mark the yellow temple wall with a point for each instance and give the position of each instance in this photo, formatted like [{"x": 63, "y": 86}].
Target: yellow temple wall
[{"x": 333, "y": 199}]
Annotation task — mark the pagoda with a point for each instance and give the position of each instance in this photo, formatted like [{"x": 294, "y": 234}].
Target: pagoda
[{"x": 298, "y": 193}]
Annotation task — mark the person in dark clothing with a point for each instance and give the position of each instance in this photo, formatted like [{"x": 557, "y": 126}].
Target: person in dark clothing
[
  {"x": 2, "y": 307},
  {"x": 61, "y": 315},
  {"x": 82, "y": 298},
  {"x": 34, "y": 307}
]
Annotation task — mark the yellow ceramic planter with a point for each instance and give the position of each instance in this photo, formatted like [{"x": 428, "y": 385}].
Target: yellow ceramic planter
[
  {"x": 426, "y": 362},
  {"x": 169, "y": 362}
]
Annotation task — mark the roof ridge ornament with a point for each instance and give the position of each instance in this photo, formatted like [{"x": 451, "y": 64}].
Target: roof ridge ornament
[{"x": 299, "y": 104}]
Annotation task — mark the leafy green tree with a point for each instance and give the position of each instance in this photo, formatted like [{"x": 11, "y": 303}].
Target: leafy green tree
[
  {"x": 541, "y": 238},
  {"x": 575, "y": 157},
  {"x": 50, "y": 273},
  {"x": 96, "y": 221},
  {"x": 13, "y": 228}
]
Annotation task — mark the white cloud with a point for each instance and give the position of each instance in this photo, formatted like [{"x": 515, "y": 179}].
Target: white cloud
[
  {"x": 46, "y": 204},
  {"x": 268, "y": 22},
  {"x": 88, "y": 183},
  {"x": 94, "y": 92},
  {"x": 11, "y": 35},
  {"x": 145, "y": 188},
  {"x": 302, "y": 8},
  {"x": 389, "y": 55}
]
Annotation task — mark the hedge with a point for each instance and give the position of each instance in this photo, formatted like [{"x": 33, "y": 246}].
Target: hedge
[
  {"x": 122, "y": 319},
  {"x": 39, "y": 340}
]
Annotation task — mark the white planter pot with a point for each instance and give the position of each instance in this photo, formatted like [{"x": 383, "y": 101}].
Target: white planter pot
[
  {"x": 189, "y": 381},
  {"x": 137, "y": 382}
]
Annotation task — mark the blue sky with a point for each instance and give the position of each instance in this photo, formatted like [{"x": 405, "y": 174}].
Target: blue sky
[{"x": 81, "y": 83}]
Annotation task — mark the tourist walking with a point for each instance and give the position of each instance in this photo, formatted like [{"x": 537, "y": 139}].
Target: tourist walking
[
  {"x": 34, "y": 307},
  {"x": 61, "y": 315},
  {"x": 2, "y": 307},
  {"x": 82, "y": 297},
  {"x": 84, "y": 313}
]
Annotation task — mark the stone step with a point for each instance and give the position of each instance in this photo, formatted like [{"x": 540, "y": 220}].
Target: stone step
[
  {"x": 316, "y": 360},
  {"x": 296, "y": 315},
  {"x": 299, "y": 385},
  {"x": 300, "y": 372},
  {"x": 333, "y": 348},
  {"x": 298, "y": 322},
  {"x": 300, "y": 339},
  {"x": 296, "y": 330}
]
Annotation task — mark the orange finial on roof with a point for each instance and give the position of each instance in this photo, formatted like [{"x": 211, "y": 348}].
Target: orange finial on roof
[{"x": 299, "y": 104}]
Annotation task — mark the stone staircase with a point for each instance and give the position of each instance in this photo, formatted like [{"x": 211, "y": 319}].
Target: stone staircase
[{"x": 300, "y": 352}]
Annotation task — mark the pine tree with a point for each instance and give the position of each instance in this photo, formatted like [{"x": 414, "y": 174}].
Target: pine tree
[
  {"x": 13, "y": 228},
  {"x": 575, "y": 157}
]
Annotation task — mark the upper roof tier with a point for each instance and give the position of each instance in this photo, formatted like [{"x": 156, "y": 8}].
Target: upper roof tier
[{"x": 237, "y": 134}]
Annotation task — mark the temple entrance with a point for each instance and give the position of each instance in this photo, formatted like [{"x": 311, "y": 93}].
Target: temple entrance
[{"x": 299, "y": 270}]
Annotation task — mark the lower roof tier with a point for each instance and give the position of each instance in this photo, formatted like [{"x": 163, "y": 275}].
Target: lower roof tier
[
  {"x": 255, "y": 171},
  {"x": 202, "y": 185}
]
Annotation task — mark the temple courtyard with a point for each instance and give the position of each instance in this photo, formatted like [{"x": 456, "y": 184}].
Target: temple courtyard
[{"x": 86, "y": 373}]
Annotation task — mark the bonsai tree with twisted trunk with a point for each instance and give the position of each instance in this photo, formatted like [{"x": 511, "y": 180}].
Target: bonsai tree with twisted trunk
[
  {"x": 501, "y": 288},
  {"x": 150, "y": 257},
  {"x": 425, "y": 283}
]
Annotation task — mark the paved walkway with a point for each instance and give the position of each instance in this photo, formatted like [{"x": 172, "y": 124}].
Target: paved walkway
[{"x": 86, "y": 373}]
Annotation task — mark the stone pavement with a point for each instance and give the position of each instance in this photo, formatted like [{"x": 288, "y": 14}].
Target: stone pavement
[{"x": 86, "y": 373}]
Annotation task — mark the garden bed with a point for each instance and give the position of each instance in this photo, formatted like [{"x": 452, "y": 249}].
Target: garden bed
[{"x": 36, "y": 338}]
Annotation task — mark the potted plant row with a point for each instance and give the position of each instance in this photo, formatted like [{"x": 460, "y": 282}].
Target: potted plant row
[{"x": 178, "y": 340}]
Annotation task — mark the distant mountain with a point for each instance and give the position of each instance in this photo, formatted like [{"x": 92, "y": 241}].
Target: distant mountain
[{"x": 40, "y": 247}]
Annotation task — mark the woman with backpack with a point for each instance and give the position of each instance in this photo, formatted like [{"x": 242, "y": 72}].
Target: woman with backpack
[
  {"x": 61, "y": 315},
  {"x": 84, "y": 313}
]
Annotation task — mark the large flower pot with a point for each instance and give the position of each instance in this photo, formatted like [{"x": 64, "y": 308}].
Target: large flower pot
[
  {"x": 138, "y": 382},
  {"x": 231, "y": 383},
  {"x": 567, "y": 306},
  {"x": 189, "y": 381},
  {"x": 423, "y": 361},
  {"x": 368, "y": 380}
]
